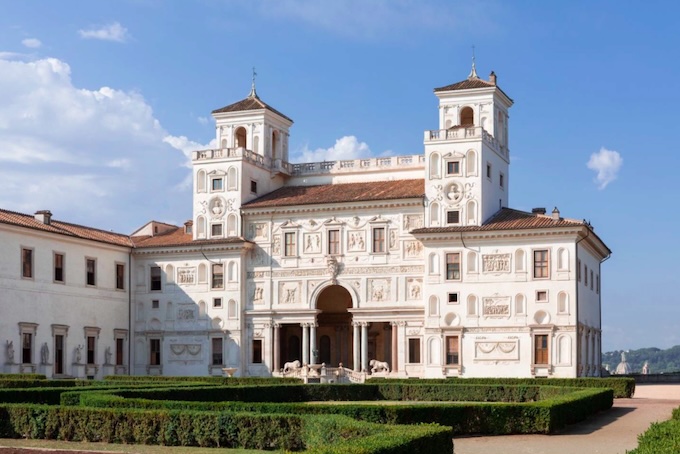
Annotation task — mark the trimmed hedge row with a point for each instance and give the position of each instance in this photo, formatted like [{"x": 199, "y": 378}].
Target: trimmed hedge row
[
  {"x": 233, "y": 381},
  {"x": 622, "y": 386},
  {"x": 660, "y": 438},
  {"x": 23, "y": 376},
  {"x": 319, "y": 434}
]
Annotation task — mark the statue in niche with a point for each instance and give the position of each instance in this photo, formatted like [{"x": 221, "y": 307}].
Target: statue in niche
[
  {"x": 79, "y": 354},
  {"x": 44, "y": 354},
  {"x": 10, "y": 352},
  {"x": 107, "y": 355},
  {"x": 217, "y": 207}
]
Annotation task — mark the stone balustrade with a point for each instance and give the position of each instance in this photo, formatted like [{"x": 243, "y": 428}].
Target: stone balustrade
[{"x": 465, "y": 133}]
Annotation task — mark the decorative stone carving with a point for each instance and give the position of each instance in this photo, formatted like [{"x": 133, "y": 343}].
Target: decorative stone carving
[
  {"x": 217, "y": 207},
  {"x": 496, "y": 263},
  {"x": 394, "y": 244},
  {"x": 276, "y": 247},
  {"x": 186, "y": 276},
  {"x": 454, "y": 192},
  {"x": 413, "y": 331},
  {"x": 258, "y": 295},
  {"x": 332, "y": 268},
  {"x": 186, "y": 314},
  {"x": 379, "y": 290},
  {"x": 185, "y": 352},
  {"x": 413, "y": 221},
  {"x": 258, "y": 231},
  {"x": 356, "y": 241},
  {"x": 468, "y": 190},
  {"x": 312, "y": 243},
  {"x": 505, "y": 350},
  {"x": 289, "y": 292},
  {"x": 78, "y": 354},
  {"x": 10, "y": 352},
  {"x": 44, "y": 354},
  {"x": 413, "y": 288},
  {"x": 496, "y": 306},
  {"x": 357, "y": 270},
  {"x": 413, "y": 249}
]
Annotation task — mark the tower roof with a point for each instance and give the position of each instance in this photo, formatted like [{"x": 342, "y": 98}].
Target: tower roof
[
  {"x": 252, "y": 102},
  {"x": 472, "y": 82}
]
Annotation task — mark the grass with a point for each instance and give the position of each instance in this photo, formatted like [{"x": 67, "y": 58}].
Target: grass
[{"x": 117, "y": 448}]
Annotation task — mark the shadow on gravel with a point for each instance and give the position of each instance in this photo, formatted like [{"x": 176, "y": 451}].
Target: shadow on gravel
[{"x": 596, "y": 422}]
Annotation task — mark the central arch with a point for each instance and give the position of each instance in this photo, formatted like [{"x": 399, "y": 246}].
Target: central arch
[{"x": 334, "y": 325}]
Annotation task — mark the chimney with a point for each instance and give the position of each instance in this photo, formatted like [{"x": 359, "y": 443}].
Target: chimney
[
  {"x": 44, "y": 216},
  {"x": 556, "y": 214},
  {"x": 188, "y": 226},
  {"x": 492, "y": 77},
  {"x": 538, "y": 211}
]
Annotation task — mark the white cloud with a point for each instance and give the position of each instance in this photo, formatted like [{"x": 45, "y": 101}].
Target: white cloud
[
  {"x": 32, "y": 43},
  {"x": 95, "y": 157},
  {"x": 607, "y": 164},
  {"x": 203, "y": 120},
  {"x": 111, "y": 32},
  {"x": 347, "y": 147}
]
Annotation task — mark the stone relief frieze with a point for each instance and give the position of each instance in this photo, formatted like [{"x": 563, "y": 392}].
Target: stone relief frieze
[
  {"x": 413, "y": 249},
  {"x": 258, "y": 231},
  {"x": 289, "y": 292},
  {"x": 186, "y": 314},
  {"x": 496, "y": 263},
  {"x": 413, "y": 288},
  {"x": 276, "y": 247},
  {"x": 258, "y": 294},
  {"x": 394, "y": 240},
  {"x": 413, "y": 221},
  {"x": 312, "y": 243},
  {"x": 356, "y": 241},
  {"x": 350, "y": 270},
  {"x": 183, "y": 352},
  {"x": 504, "y": 350},
  {"x": 186, "y": 276},
  {"x": 496, "y": 307},
  {"x": 379, "y": 290}
]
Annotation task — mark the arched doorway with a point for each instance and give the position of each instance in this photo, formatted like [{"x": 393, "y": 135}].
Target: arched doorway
[
  {"x": 335, "y": 326},
  {"x": 240, "y": 134}
]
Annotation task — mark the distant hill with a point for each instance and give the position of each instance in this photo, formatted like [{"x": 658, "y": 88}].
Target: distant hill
[{"x": 659, "y": 360}]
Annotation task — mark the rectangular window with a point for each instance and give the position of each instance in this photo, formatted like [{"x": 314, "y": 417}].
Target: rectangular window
[
  {"x": 90, "y": 349},
  {"x": 58, "y": 354},
  {"x": 541, "y": 296},
  {"x": 379, "y": 239},
  {"x": 591, "y": 279},
  {"x": 488, "y": 170},
  {"x": 217, "y": 275},
  {"x": 541, "y": 349},
  {"x": 90, "y": 271},
  {"x": 541, "y": 269},
  {"x": 155, "y": 352},
  {"x": 333, "y": 242},
  {"x": 27, "y": 348},
  {"x": 27, "y": 263},
  {"x": 257, "y": 351},
  {"x": 453, "y": 168},
  {"x": 453, "y": 217},
  {"x": 253, "y": 186},
  {"x": 120, "y": 346},
  {"x": 597, "y": 284},
  {"x": 217, "y": 351},
  {"x": 155, "y": 278},
  {"x": 453, "y": 266},
  {"x": 501, "y": 180},
  {"x": 120, "y": 276},
  {"x": 585, "y": 274},
  {"x": 217, "y": 302},
  {"x": 155, "y": 304},
  {"x": 217, "y": 184},
  {"x": 290, "y": 248},
  {"x": 453, "y": 298},
  {"x": 451, "y": 350},
  {"x": 578, "y": 270},
  {"x": 58, "y": 267},
  {"x": 216, "y": 229},
  {"x": 414, "y": 351}
]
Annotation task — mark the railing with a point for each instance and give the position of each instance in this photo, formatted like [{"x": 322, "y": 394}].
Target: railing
[
  {"x": 461, "y": 133},
  {"x": 357, "y": 165},
  {"x": 322, "y": 374}
]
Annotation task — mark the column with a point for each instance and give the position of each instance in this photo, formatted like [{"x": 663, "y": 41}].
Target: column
[
  {"x": 338, "y": 345},
  {"x": 277, "y": 347},
  {"x": 364, "y": 346},
  {"x": 313, "y": 352},
  {"x": 395, "y": 347},
  {"x": 305, "y": 343},
  {"x": 356, "y": 352}
]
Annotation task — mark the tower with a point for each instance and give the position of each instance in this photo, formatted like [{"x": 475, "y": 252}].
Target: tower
[
  {"x": 467, "y": 158},
  {"x": 252, "y": 159}
]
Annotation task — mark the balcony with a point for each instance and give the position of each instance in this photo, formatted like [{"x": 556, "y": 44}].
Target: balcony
[{"x": 462, "y": 134}]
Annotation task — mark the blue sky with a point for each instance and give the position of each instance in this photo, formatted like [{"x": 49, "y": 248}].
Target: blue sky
[{"x": 101, "y": 102}]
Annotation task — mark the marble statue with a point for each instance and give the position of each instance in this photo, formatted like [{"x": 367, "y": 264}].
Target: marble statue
[
  {"x": 44, "y": 354},
  {"x": 10, "y": 352}
]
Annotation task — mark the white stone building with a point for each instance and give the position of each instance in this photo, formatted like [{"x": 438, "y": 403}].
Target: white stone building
[{"x": 411, "y": 260}]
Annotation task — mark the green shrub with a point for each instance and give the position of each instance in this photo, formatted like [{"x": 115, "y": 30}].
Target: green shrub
[{"x": 660, "y": 438}]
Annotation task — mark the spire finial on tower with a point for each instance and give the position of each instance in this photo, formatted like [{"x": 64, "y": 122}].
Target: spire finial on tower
[
  {"x": 473, "y": 73},
  {"x": 253, "y": 93}
]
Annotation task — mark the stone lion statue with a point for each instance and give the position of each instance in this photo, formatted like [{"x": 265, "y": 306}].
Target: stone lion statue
[
  {"x": 378, "y": 366},
  {"x": 291, "y": 366}
]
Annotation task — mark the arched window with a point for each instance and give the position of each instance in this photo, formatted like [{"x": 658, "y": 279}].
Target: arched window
[
  {"x": 471, "y": 212},
  {"x": 275, "y": 145},
  {"x": 232, "y": 179},
  {"x": 256, "y": 144},
  {"x": 240, "y": 135},
  {"x": 434, "y": 214},
  {"x": 231, "y": 225},
  {"x": 564, "y": 350},
  {"x": 433, "y": 351},
  {"x": 434, "y": 306},
  {"x": 435, "y": 166},
  {"x": 200, "y": 181},
  {"x": 563, "y": 303},
  {"x": 232, "y": 309},
  {"x": 471, "y": 162},
  {"x": 519, "y": 305},
  {"x": 472, "y": 305},
  {"x": 170, "y": 274},
  {"x": 563, "y": 259},
  {"x": 472, "y": 262},
  {"x": 434, "y": 263},
  {"x": 201, "y": 308},
  {"x": 519, "y": 261},
  {"x": 202, "y": 273},
  {"x": 467, "y": 117},
  {"x": 200, "y": 227},
  {"x": 232, "y": 274}
]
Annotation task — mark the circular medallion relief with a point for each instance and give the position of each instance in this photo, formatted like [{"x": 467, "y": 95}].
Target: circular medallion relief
[
  {"x": 217, "y": 207},
  {"x": 454, "y": 192}
]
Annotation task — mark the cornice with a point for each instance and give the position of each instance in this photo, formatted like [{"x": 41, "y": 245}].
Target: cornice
[{"x": 334, "y": 207}]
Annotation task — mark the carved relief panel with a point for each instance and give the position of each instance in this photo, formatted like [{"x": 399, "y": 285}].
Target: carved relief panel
[
  {"x": 312, "y": 243},
  {"x": 258, "y": 294},
  {"x": 186, "y": 276},
  {"x": 496, "y": 263},
  {"x": 379, "y": 290},
  {"x": 414, "y": 287},
  {"x": 496, "y": 307},
  {"x": 505, "y": 350},
  {"x": 413, "y": 249},
  {"x": 356, "y": 241},
  {"x": 413, "y": 221},
  {"x": 289, "y": 292},
  {"x": 258, "y": 231}
]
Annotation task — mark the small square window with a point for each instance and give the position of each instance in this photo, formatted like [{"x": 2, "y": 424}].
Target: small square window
[
  {"x": 453, "y": 217},
  {"x": 217, "y": 184},
  {"x": 155, "y": 304},
  {"x": 453, "y": 298},
  {"x": 253, "y": 186},
  {"x": 453, "y": 168},
  {"x": 216, "y": 229},
  {"x": 541, "y": 296},
  {"x": 217, "y": 302}
]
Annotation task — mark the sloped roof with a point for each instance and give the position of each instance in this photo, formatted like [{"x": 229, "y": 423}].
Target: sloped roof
[
  {"x": 466, "y": 84},
  {"x": 178, "y": 237},
  {"x": 252, "y": 102},
  {"x": 64, "y": 228},
  {"x": 341, "y": 193}
]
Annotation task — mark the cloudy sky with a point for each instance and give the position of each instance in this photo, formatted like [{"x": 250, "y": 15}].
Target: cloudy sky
[{"x": 102, "y": 102}]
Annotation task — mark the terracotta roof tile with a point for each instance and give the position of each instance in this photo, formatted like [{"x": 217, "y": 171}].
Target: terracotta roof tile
[
  {"x": 64, "y": 228},
  {"x": 341, "y": 193},
  {"x": 507, "y": 219},
  {"x": 178, "y": 237},
  {"x": 249, "y": 103},
  {"x": 471, "y": 83}
]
